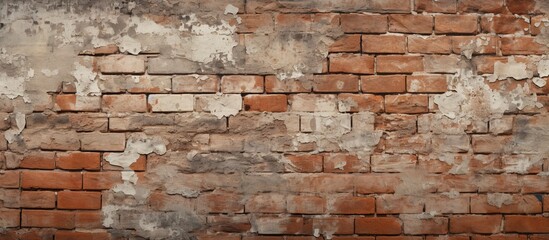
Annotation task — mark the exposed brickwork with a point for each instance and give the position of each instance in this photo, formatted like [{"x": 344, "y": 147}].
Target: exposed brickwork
[{"x": 274, "y": 120}]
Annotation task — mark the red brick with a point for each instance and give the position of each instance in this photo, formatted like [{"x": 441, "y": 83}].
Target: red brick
[
  {"x": 431, "y": 44},
  {"x": 416, "y": 225},
  {"x": 47, "y": 218},
  {"x": 275, "y": 85},
  {"x": 88, "y": 219},
  {"x": 78, "y": 200},
  {"x": 124, "y": 103},
  {"x": 526, "y": 224},
  {"x": 378, "y": 225},
  {"x": 500, "y": 237},
  {"x": 97, "y": 141},
  {"x": 266, "y": 103},
  {"x": 504, "y": 24},
  {"x": 74, "y": 103},
  {"x": 517, "y": 204},
  {"x": 399, "y": 64},
  {"x": 336, "y": 83},
  {"x": 233, "y": 224},
  {"x": 122, "y": 64},
  {"x": 490, "y": 144},
  {"x": 9, "y": 179},
  {"x": 383, "y": 44},
  {"x": 524, "y": 45},
  {"x": 383, "y": 84},
  {"x": 441, "y": 6},
  {"x": 521, "y": 6},
  {"x": 427, "y": 83},
  {"x": 475, "y": 224},
  {"x": 37, "y": 199},
  {"x": 101, "y": 180},
  {"x": 487, "y": 6},
  {"x": 361, "y": 23},
  {"x": 351, "y": 205},
  {"x": 319, "y": 183},
  {"x": 38, "y": 160},
  {"x": 304, "y": 163},
  {"x": 66, "y": 235},
  {"x": 344, "y": 163},
  {"x": 406, "y": 103},
  {"x": 266, "y": 203},
  {"x": 9, "y": 218},
  {"x": 407, "y": 23},
  {"x": 139, "y": 165},
  {"x": 351, "y": 63},
  {"x": 78, "y": 160},
  {"x": 306, "y": 204},
  {"x": 396, "y": 122},
  {"x": 360, "y": 103},
  {"x": 466, "y": 24},
  {"x": 346, "y": 43},
  {"x": 377, "y": 183},
  {"x": 220, "y": 203},
  {"x": 242, "y": 84},
  {"x": 251, "y": 23},
  {"x": 51, "y": 180}
]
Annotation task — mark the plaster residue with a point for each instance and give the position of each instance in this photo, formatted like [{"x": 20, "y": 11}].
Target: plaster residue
[
  {"x": 135, "y": 146},
  {"x": 14, "y": 75},
  {"x": 499, "y": 199},
  {"x": 11, "y": 134},
  {"x": 86, "y": 81},
  {"x": 511, "y": 69},
  {"x": 224, "y": 105}
]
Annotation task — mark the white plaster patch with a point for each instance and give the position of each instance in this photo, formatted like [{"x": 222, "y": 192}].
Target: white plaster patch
[
  {"x": 231, "y": 9},
  {"x": 86, "y": 82},
  {"x": 540, "y": 82},
  {"x": 543, "y": 67},
  {"x": 129, "y": 45},
  {"x": 499, "y": 199},
  {"x": 224, "y": 105},
  {"x": 511, "y": 69},
  {"x": 11, "y": 134}
]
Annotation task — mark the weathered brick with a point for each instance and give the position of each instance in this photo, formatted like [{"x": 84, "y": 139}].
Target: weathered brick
[
  {"x": 360, "y": 103},
  {"x": 171, "y": 102},
  {"x": 266, "y": 203},
  {"x": 122, "y": 64},
  {"x": 526, "y": 224},
  {"x": 442, "y": 6},
  {"x": 78, "y": 160},
  {"x": 312, "y": 103},
  {"x": 416, "y": 225},
  {"x": 521, "y": 45},
  {"x": 346, "y": 43},
  {"x": 427, "y": 83},
  {"x": 37, "y": 199},
  {"x": 361, "y": 23},
  {"x": 351, "y": 63},
  {"x": 103, "y": 141},
  {"x": 505, "y": 203},
  {"x": 172, "y": 66},
  {"x": 487, "y": 6},
  {"x": 38, "y": 160},
  {"x": 383, "y": 84},
  {"x": 101, "y": 180},
  {"x": 251, "y": 23},
  {"x": 242, "y": 84},
  {"x": 124, "y": 103},
  {"x": 71, "y": 102},
  {"x": 195, "y": 84},
  {"x": 383, "y": 44},
  {"x": 47, "y": 218},
  {"x": 10, "y": 217},
  {"x": 504, "y": 24},
  {"x": 78, "y": 200},
  {"x": 466, "y": 24},
  {"x": 345, "y": 163},
  {"x": 135, "y": 84},
  {"x": 406, "y": 23},
  {"x": 399, "y": 64},
  {"x": 475, "y": 224},
  {"x": 378, "y": 225},
  {"x": 306, "y": 204},
  {"x": 275, "y": 85},
  {"x": 51, "y": 180},
  {"x": 266, "y": 103},
  {"x": 68, "y": 235},
  {"x": 431, "y": 44},
  {"x": 407, "y": 103},
  {"x": 351, "y": 205}
]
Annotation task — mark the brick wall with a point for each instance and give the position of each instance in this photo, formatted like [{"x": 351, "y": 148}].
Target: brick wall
[{"x": 273, "y": 120}]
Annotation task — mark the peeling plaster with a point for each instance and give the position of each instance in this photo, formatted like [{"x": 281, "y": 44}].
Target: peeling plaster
[
  {"x": 499, "y": 199},
  {"x": 224, "y": 105},
  {"x": 511, "y": 69},
  {"x": 86, "y": 81}
]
